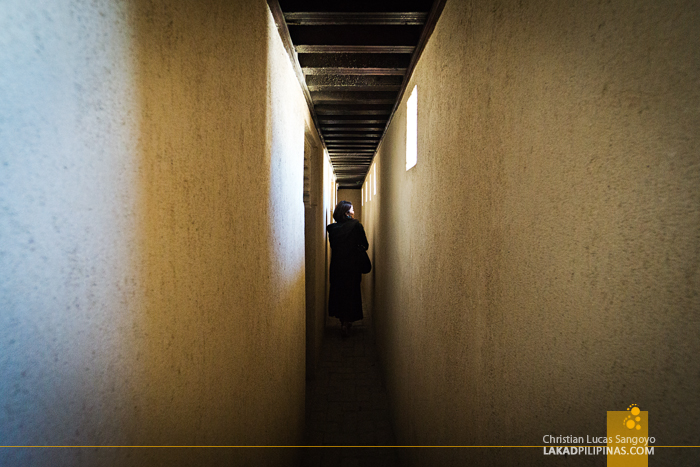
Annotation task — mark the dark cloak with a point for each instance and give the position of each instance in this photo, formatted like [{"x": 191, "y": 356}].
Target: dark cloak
[{"x": 345, "y": 297}]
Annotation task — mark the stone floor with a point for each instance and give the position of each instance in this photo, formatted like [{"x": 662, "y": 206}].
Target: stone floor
[{"x": 347, "y": 413}]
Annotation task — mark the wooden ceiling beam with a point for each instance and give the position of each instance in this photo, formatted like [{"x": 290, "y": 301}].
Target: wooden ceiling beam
[
  {"x": 355, "y": 102},
  {"x": 333, "y": 137},
  {"x": 359, "y": 60},
  {"x": 332, "y": 129},
  {"x": 353, "y": 71},
  {"x": 351, "y": 152},
  {"x": 354, "y": 97},
  {"x": 353, "y": 80},
  {"x": 358, "y": 6},
  {"x": 346, "y": 121},
  {"x": 353, "y": 112},
  {"x": 354, "y": 49},
  {"x": 355, "y": 88},
  {"x": 323, "y": 107},
  {"x": 352, "y": 162},
  {"x": 345, "y": 141},
  {"x": 352, "y": 147},
  {"x": 372, "y": 35},
  {"x": 318, "y": 18}
]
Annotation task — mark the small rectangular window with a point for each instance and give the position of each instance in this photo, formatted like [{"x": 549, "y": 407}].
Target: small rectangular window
[
  {"x": 375, "y": 179},
  {"x": 412, "y": 129}
]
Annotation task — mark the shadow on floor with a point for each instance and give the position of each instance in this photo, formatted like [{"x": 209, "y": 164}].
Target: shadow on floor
[{"x": 346, "y": 405}]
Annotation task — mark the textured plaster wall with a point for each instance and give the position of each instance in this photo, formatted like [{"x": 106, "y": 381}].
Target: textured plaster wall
[
  {"x": 316, "y": 208},
  {"x": 369, "y": 219},
  {"x": 330, "y": 196},
  {"x": 151, "y": 233},
  {"x": 541, "y": 263}
]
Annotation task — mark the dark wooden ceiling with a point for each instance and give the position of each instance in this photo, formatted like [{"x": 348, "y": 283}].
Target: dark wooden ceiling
[{"x": 353, "y": 59}]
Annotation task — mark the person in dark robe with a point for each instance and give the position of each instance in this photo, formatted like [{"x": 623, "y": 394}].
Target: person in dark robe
[{"x": 346, "y": 235}]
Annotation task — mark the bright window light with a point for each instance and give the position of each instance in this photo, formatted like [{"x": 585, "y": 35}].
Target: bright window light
[
  {"x": 369, "y": 187},
  {"x": 412, "y": 129},
  {"x": 375, "y": 179}
]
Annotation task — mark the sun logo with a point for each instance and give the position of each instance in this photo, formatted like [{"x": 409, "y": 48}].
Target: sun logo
[{"x": 631, "y": 421}]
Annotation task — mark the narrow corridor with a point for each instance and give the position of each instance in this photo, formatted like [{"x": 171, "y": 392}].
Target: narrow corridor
[
  {"x": 527, "y": 180},
  {"x": 346, "y": 404}
]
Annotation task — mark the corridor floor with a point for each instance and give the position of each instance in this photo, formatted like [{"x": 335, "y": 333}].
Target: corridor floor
[{"x": 346, "y": 405}]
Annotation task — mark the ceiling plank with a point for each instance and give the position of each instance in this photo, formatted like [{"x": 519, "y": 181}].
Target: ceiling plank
[
  {"x": 353, "y": 71},
  {"x": 353, "y": 143},
  {"x": 354, "y": 49},
  {"x": 325, "y": 87},
  {"x": 366, "y": 145},
  {"x": 331, "y": 129},
  {"x": 355, "y": 35},
  {"x": 325, "y": 121},
  {"x": 354, "y": 97},
  {"x": 353, "y": 80},
  {"x": 359, "y": 60},
  {"x": 317, "y": 18},
  {"x": 322, "y": 107},
  {"x": 356, "y": 5},
  {"x": 355, "y": 102},
  {"x": 353, "y": 112},
  {"x": 333, "y": 137}
]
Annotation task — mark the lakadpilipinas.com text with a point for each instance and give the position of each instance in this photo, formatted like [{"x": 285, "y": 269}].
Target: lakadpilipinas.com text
[{"x": 593, "y": 445}]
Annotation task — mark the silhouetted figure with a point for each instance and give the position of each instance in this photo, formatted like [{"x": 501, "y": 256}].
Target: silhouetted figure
[{"x": 346, "y": 236}]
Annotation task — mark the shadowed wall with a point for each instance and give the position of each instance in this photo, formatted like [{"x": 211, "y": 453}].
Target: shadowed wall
[
  {"x": 316, "y": 208},
  {"x": 540, "y": 264},
  {"x": 152, "y": 254}
]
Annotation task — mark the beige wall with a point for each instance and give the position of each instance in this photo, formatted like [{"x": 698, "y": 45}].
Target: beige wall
[
  {"x": 539, "y": 266},
  {"x": 370, "y": 221},
  {"x": 355, "y": 197},
  {"x": 316, "y": 208},
  {"x": 330, "y": 194},
  {"x": 152, "y": 253}
]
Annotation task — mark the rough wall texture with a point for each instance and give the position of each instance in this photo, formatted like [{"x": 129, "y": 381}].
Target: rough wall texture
[
  {"x": 152, "y": 253},
  {"x": 369, "y": 219},
  {"x": 540, "y": 265},
  {"x": 316, "y": 207}
]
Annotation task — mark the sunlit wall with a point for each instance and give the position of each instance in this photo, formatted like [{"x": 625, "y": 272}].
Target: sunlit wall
[
  {"x": 538, "y": 266},
  {"x": 151, "y": 232}
]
